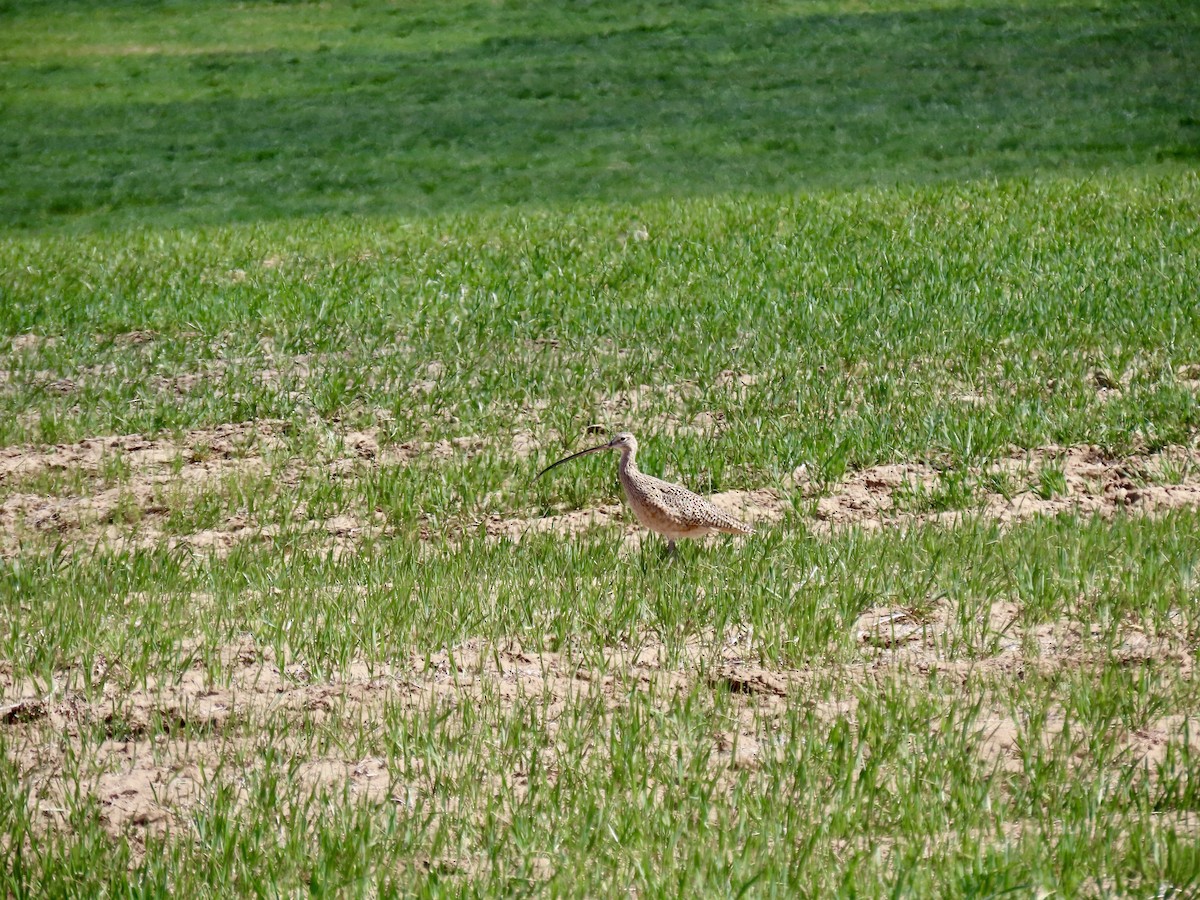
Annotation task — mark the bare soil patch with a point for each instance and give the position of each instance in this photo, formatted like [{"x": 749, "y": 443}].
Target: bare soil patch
[
  {"x": 202, "y": 453},
  {"x": 153, "y": 748},
  {"x": 109, "y": 491},
  {"x": 1145, "y": 746},
  {"x": 1042, "y": 482},
  {"x": 21, "y": 343},
  {"x": 113, "y": 486},
  {"x": 1083, "y": 480}
]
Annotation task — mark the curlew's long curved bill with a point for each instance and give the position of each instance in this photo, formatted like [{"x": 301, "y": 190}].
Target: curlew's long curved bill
[{"x": 569, "y": 458}]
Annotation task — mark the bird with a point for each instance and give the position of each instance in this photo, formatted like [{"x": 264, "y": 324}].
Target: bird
[{"x": 670, "y": 510}]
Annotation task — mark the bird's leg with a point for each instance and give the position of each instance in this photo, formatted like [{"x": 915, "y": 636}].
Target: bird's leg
[{"x": 670, "y": 551}]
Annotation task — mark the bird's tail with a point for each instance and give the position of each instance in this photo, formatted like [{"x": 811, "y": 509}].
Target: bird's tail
[{"x": 733, "y": 526}]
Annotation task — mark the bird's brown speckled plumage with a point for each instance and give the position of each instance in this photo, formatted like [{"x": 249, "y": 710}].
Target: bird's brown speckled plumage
[{"x": 665, "y": 508}]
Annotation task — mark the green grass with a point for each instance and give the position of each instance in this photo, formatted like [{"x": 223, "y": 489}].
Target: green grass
[
  {"x": 862, "y": 315},
  {"x": 210, "y": 112},
  {"x": 608, "y": 789},
  {"x": 389, "y": 598},
  {"x": 361, "y": 270}
]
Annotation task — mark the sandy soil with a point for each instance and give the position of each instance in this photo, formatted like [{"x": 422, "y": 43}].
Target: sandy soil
[
  {"x": 89, "y": 506},
  {"x": 147, "y": 779},
  {"x": 876, "y": 497},
  {"x": 1094, "y": 484},
  {"x": 69, "y": 493}
]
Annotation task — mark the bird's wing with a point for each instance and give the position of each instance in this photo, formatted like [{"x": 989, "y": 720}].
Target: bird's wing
[{"x": 694, "y": 506}]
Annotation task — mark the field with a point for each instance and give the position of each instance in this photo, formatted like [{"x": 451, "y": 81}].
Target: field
[{"x": 296, "y": 299}]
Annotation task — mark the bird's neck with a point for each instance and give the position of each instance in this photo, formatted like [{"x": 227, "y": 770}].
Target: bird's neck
[{"x": 628, "y": 463}]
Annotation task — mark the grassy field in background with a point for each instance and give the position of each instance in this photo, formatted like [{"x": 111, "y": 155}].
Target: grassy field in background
[
  {"x": 209, "y": 112},
  {"x": 296, "y": 298}
]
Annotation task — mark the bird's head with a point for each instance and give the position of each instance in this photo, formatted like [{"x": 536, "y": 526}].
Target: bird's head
[{"x": 623, "y": 440}]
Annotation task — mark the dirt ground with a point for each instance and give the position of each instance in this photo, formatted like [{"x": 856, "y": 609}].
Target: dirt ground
[
  {"x": 147, "y": 779},
  {"x": 89, "y": 506}
]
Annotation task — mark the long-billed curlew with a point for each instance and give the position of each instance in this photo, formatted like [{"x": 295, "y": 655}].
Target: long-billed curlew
[{"x": 668, "y": 509}]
